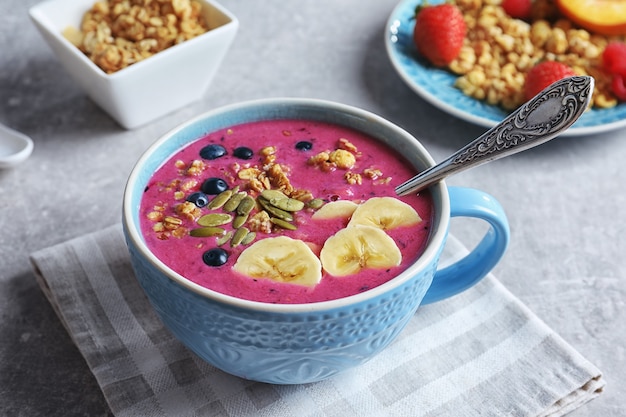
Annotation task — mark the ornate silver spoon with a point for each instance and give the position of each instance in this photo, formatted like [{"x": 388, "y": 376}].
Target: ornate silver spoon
[{"x": 540, "y": 119}]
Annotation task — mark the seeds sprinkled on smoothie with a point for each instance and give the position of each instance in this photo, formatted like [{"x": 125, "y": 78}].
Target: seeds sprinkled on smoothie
[
  {"x": 220, "y": 199},
  {"x": 215, "y": 219},
  {"x": 207, "y": 231},
  {"x": 219, "y": 209}
]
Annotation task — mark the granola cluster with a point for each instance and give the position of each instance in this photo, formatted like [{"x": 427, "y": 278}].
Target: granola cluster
[
  {"x": 117, "y": 33},
  {"x": 499, "y": 50},
  {"x": 344, "y": 157}
]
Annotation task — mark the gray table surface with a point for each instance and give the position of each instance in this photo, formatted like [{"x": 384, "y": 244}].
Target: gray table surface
[{"x": 565, "y": 199}]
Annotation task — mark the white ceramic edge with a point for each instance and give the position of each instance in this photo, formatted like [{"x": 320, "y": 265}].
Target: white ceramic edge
[
  {"x": 131, "y": 95},
  {"x": 464, "y": 115},
  {"x": 21, "y": 152},
  {"x": 436, "y": 240},
  {"x": 38, "y": 16}
]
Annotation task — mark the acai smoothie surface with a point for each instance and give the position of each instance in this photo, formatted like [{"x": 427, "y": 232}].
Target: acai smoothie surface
[{"x": 285, "y": 211}]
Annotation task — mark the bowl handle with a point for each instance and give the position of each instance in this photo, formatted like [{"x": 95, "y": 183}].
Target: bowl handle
[{"x": 464, "y": 273}]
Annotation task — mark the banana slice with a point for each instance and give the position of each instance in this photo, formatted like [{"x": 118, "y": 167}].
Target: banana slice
[
  {"x": 335, "y": 209},
  {"x": 355, "y": 248},
  {"x": 281, "y": 259},
  {"x": 386, "y": 213}
]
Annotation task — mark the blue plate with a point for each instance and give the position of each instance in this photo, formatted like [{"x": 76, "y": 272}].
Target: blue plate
[{"x": 437, "y": 86}]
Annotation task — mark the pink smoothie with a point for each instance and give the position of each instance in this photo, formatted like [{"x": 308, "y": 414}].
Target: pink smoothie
[{"x": 376, "y": 172}]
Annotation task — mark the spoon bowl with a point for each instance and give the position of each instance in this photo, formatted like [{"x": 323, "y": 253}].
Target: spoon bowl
[{"x": 15, "y": 147}]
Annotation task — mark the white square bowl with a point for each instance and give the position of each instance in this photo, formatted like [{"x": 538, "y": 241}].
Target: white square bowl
[{"x": 148, "y": 89}]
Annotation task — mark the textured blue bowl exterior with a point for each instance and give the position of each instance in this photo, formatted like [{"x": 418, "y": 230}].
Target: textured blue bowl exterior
[
  {"x": 269, "y": 343},
  {"x": 280, "y": 348}
]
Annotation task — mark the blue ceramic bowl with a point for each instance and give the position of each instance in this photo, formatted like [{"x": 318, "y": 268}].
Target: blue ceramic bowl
[{"x": 303, "y": 343}]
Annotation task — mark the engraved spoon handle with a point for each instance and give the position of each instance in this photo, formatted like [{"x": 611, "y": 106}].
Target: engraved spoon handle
[{"x": 540, "y": 119}]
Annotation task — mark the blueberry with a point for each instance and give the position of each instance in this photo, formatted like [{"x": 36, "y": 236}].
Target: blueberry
[
  {"x": 199, "y": 198},
  {"x": 214, "y": 186},
  {"x": 212, "y": 151},
  {"x": 243, "y": 152},
  {"x": 304, "y": 145},
  {"x": 215, "y": 257}
]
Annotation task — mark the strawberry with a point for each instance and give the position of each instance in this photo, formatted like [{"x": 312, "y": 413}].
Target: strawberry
[
  {"x": 614, "y": 62},
  {"x": 439, "y": 32},
  {"x": 614, "y": 58},
  {"x": 618, "y": 85},
  {"x": 542, "y": 75},
  {"x": 518, "y": 9}
]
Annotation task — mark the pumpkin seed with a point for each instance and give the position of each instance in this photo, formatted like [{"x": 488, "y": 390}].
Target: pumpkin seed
[
  {"x": 249, "y": 238},
  {"x": 283, "y": 224},
  {"x": 269, "y": 194},
  {"x": 245, "y": 206},
  {"x": 315, "y": 203},
  {"x": 287, "y": 204},
  {"x": 239, "y": 236},
  {"x": 219, "y": 200},
  {"x": 240, "y": 220},
  {"x": 281, "y": 214},
  {"x": 234, "y": 200},
  {"x": 224, "y": 238},
  {"x": 215, "y": 219},
  {"x": 207, "y": 231}
]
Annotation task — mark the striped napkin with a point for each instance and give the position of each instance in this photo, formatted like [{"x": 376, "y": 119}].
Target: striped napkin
[{"x": 479, "y": 353}]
